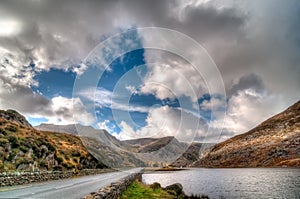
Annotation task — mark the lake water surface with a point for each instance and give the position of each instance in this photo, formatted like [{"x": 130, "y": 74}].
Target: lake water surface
[{"x": 233, "y": 183}]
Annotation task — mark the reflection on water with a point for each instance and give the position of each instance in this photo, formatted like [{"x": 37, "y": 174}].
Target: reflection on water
[{"x": 233, "y": 183}]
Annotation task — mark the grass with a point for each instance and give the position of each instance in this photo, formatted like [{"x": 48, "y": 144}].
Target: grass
[{"x": 139, "y": 190}]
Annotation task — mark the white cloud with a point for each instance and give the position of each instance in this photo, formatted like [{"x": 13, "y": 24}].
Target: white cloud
[
  {"x": 213, "y": 104},
  {"x": 16, "y": 80},
  {"x": 9, "y": 27},
  {"x": 58, "y": 110},
  {"x": 131, "y": 89},
  {"x": 69, "y": 111},
  {"x": 246, "y": 110},
  {"x": 106, "y": 124},
  {"x": 127, "y": 132},
  {"x": 15, "y": 70},
  {"x": 105, "y": 98},
  {"x": 166, "y": 121},
  {"x": 173, "y": 79}
]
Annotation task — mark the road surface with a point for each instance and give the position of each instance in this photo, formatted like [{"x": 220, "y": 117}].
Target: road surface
[{"x": 66, "y": 188}]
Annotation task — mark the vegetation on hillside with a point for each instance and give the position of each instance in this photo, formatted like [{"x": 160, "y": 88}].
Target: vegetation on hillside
[
  {"x": 24, "y": 148},
  {"x": 274, "y": 142}
]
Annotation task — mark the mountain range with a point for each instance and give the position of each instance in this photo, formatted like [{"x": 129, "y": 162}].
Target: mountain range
[
  {"x": 116, "y": 153},
  {"x": 275, "y": 142}
]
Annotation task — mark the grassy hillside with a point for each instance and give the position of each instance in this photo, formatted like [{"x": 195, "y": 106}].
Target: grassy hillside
[
  {"x": 275, "y": 142},
  {"x": 25, "y": 148}
]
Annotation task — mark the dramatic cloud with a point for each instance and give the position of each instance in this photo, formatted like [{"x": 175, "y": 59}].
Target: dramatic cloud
[
  {"x": 54, "y": 34},
  {"x": 167, "y": 121},
  {"x": 247, "y": 109},
  {"x": 58, "y": 110},
  {"x": 167, "y": 75},
  {"x": 255, "y": 45},
  {"x": 69, "y": 111},
  {"x": 246, "y": 82}
]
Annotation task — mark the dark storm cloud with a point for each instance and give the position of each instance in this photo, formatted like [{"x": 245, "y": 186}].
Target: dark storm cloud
[
  {"x": 210, "y": 23},
  {"x": 55, "y": 33},
  {"x": 267, "y": 48},
  {"x": 251, "y": 81},
  {"x": 29, "y": 102},
  {"x": 200, "y": 22},
  {"x": 61, "y": 33},
  {"x": 64, "y": 32}
]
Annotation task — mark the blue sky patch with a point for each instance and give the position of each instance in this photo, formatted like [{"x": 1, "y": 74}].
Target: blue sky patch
[{"x": 55, "y": 82}]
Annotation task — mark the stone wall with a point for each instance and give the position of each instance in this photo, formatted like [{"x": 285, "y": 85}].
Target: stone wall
[
  {"x": 19, "y": 178},
  {"x": 115, "y": 189},
  {"x": 86, "y": 172}
]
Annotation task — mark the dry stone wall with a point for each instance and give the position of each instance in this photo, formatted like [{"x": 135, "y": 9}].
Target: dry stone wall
[
  {"x": 19, "y": 178},
  {"x": 115, "y": 189}
]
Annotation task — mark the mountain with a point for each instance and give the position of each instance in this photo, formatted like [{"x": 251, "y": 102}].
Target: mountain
[
  {"x": 25, "y": 148},
  {"x": 70, "y": 129},
  {"x": 146, "y": 145},
  {"x": 100, "y": 144},
  {"x": 14, "y": 116},
  {"x": 83, "y": 131},
  {"x": 192, "y": 154},
  {"x": 129, "y": 153},
  {"x": 157, "y": 151},
  {"x": 275, "y": 142}
]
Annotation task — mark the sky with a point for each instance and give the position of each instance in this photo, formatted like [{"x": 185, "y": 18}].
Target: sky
[{"x": 201, "y": 70}]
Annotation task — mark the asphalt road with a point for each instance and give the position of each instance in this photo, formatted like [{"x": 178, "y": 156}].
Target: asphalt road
[{"x": 66, "y": 188}]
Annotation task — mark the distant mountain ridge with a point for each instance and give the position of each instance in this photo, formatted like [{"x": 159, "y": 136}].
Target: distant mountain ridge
[
  {"x": 146, "y": 145},
  {"x": 70, "y": 128},
  {"x": 275, "y": 142},
  {"x": 138, "y": 152},
  {"x": 100, "y": 143},
  {"x": 192, "y": 154}
]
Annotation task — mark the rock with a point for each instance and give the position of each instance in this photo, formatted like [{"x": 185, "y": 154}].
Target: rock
[
  {"x": 88, "y": 197},
  {"x": 175, "y": 188},
  {"x": 155, "y": 185}
]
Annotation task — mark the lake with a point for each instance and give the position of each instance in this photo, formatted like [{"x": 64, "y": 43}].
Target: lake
[{"x": 233, "y": 183}]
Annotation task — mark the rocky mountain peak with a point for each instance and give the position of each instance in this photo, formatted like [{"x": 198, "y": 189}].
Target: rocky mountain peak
[{"x": 14, "y": 116}]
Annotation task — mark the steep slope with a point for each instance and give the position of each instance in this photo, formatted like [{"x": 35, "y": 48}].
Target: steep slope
[
  {"x": 275, "y": 142},
  {"x": 105, "y": 147},
  {"x": 192, "y": 154},
  {"x": 161, "y": 151},
  {"x": 128, "y": 153},
  {"x": 25, "y": 148},
  {"x": 147, "y": 145},
  {"x": 14, "y": 116},
  {"x": 80, "y": 130}
]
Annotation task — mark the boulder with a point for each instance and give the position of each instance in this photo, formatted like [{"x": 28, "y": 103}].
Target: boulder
[
  {"x": 175, "y": 188},
  {"x": 155, "y": 185}
]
